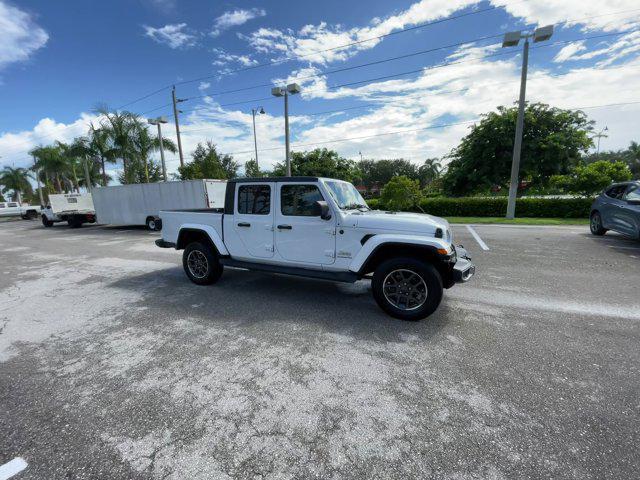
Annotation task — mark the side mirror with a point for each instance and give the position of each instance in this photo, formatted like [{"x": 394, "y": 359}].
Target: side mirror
[{"x": 321, "y": 209}]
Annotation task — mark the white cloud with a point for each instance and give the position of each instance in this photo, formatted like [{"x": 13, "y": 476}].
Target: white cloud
[
  {"x": 235, "y": 18},
  {"x": 203, "y": 86},
  {"x": 20, "y": 36},
  {"x": 310, "y": 39},
  {"x": 604, "y": 17},
  {"x": 223, "y": 58},
  {"x": 569, "y": 51},
  {"x": 174, "y": 35}
]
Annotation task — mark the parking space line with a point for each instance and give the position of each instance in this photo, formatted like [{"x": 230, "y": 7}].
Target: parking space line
[
  {"x": 624, "y": 248},
  {"x": 477, "y": 238},
  {"x": 11, "y": 468}
]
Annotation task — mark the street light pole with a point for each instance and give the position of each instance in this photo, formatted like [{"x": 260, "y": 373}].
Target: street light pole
[
  {"x": 511, "y": 39},
  {"x": 517, "y": 144},
  {"x": 259, "y": 110},
  {"x": 158, "y": 121},
  {"x": 600, "y": 135},
  {"x": 292, "y": 89}
]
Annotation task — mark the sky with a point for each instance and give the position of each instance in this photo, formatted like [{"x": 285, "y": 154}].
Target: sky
[{"x": 379, "y": 79}]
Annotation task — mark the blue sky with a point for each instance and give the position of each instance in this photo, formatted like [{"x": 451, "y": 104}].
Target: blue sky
[{"x": 57, "y": 64}]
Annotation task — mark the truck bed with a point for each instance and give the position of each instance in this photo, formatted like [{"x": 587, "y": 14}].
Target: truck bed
[{"x": 174, "y": 220}]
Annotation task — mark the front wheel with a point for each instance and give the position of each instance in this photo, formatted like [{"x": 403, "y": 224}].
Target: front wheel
[
  {"x": 46, "y": 222},
  {"x": 595, "y": 224},
  {"x": 407, "y": 288},
  {"x": 201, "y": 264}
]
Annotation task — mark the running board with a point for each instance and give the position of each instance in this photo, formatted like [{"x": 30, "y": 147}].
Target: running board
[{"x": 346, "y": 277}]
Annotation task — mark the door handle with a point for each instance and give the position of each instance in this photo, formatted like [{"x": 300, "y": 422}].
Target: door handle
[
  {"x": 244, "y": 224},
  {"x": 284, "y": 227}
]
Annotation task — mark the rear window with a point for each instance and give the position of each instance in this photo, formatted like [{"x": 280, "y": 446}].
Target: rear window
[{"x": 254, "y": 199}]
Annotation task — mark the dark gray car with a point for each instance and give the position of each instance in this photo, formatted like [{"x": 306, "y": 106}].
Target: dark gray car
[{"x": 617, "y": 208}]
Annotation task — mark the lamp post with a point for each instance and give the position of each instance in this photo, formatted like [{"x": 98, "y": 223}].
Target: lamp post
[
  {"x": 158, "y": 121},
  {"x": 511, "y": 39},
  {"x": 254, "y": 111},
  {"x": 290, "y": 89},
  {"x": 600, "y": 135}
]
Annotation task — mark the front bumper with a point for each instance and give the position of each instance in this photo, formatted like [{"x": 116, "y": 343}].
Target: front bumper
[{"x": 463, "y": 269}]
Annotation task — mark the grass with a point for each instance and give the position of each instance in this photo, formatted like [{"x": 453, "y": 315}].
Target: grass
[{"x": 520, "y": 221}]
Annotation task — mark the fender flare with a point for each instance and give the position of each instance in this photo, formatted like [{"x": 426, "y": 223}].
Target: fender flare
[
  {"x": 380, "y": 240},
  {"x": 211, "y": 233}
]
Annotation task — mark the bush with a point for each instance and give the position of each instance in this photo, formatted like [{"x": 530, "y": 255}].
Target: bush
[
  {"x": 497, "y": 207},
  {"x": 401, "y": 193}
]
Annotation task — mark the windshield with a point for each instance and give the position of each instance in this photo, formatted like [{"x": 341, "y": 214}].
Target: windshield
[{"x": 346, "y": 195}]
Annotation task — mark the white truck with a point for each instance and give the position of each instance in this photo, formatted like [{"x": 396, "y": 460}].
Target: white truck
[
  {"x": 140, "y": 203},
  {"x": 73, "y": 208},
  {"x": 14, "y": 209},
  {"x": 320, "y": 228}
]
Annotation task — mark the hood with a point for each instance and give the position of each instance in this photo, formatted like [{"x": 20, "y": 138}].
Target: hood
[{"x": 404, "y": 222}]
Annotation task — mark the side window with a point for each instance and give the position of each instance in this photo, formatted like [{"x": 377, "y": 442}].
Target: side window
[
  {"x": 254, "y": 199},
  {"x": 13, "y": 204},
  {"x": 615, "y": 191},
  {"x": 298, "y": 200},
  {"x": 633, "y": 194}
]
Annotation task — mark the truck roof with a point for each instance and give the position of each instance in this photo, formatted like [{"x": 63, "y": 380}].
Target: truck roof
[{"x": 274, "y": 179}]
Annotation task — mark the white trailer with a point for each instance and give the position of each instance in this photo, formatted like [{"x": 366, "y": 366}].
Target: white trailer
[
  {"x": 73, "y": 208},
  {"x": 140, "y": 203}
]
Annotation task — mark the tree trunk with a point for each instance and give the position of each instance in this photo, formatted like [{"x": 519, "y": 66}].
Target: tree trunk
[{"x": 104, "y": 173}]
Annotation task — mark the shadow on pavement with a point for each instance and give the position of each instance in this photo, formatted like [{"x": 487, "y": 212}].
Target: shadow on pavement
[{"x": 248, "y": 298}]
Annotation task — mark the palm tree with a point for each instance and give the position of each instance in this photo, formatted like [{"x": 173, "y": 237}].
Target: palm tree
[
  {"x": 100, "y": 147},
  {"x": 15, "y": 180},
  {"x": 52, "y": 165},
  {"x": 146, "y": 144},
  {"x": 430, "y": 170},
  {"x": 121, "y": 128}
]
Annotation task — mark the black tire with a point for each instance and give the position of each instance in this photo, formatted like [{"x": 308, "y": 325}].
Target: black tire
[
  {"x": 46, "y": 222},
  {"x": 427, "y": 281},
  {"x": 32, "y": 214},
  {"x": 201, "y": 255},
  {"x": 595, "y": 224},
  {"x": 154, "y": 224}
]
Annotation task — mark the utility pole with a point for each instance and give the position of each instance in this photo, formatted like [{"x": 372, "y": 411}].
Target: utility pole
[
  {"x": 292, "y": 89},
  {"x": 175, "y": 114},
  {"x": 511, "y": 39},
  {"x": 600, "y": 135},
  {"x": 259, "y": 110},
  {"x": 159, "y": 121}
]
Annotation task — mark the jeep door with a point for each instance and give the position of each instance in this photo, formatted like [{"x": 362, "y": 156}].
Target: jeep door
[
  {"x": 253, "y": 221},
  {"x": 301, "y": 235}
]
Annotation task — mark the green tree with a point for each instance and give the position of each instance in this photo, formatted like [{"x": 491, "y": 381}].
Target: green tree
[
  {"x": 52, "y": 166},
  {"x": 251, "y": 169},
  {"x": 145, "y": 169},
  {"x": 592, "y": 178},
  {"x": 401, "y": 193},
  {"x": 630, "y": 156},
  {"x": 208, "y": 163},
  {"x": 16, "y": 181},
  {"x": 100, "y": 148},
  {"x": 553, "y": 141},
  {"x": 381, "y": 171},
  {"x": 320, "y": 162},
  {"x": 429, "y": 171}
]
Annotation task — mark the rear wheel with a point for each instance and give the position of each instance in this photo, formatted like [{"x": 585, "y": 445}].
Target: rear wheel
[
  {"x": 201, "y": 264},
  {"x": 595, "y": 224},
  {"x": 46, "y": 222},
  {"x": 407, "y": 288},
  {"x": 154, "y": 224},
  {"x": 32, "y": 214}
]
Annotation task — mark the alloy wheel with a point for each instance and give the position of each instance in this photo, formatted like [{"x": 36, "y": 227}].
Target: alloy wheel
[
  {"x": 405, "y": 289},
  {"x": 198, "y": 264}
]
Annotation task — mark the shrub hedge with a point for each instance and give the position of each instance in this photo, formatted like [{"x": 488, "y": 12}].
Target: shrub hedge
[{"x": 497, "y": 207}]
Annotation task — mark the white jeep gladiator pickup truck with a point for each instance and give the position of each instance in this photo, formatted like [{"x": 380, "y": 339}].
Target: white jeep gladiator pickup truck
[{"x": 320, "y": 228}]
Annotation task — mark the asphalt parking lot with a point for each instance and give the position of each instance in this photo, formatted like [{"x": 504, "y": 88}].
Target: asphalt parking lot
[{"x": 113, "y": 365}]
